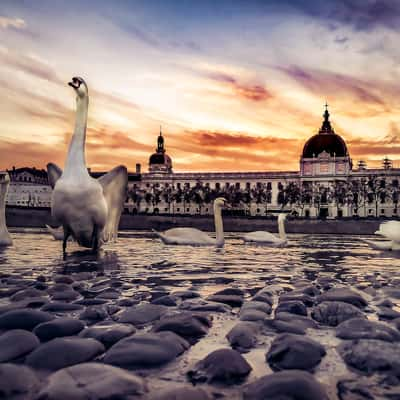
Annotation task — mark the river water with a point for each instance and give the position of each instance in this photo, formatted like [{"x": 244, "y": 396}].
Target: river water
[
  {"x": 144, "y": 265},
  {"x": 347, "y": 259}
]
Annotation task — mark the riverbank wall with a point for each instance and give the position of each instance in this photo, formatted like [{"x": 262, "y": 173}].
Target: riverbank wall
[{"x": 37, "y": 218}]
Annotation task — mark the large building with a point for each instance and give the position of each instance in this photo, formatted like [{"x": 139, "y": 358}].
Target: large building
[{"x": 326, "y": 185}]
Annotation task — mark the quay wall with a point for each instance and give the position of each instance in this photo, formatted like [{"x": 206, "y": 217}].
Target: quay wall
[{"x": 37, "y": 218}]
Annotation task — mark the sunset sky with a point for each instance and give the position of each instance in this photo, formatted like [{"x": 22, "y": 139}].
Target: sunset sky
[{"x": 236, "y": 85}]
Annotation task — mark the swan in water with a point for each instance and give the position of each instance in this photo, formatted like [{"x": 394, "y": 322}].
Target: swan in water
[
  {"x": 88, "y": 209},
  {"x": 390, "y": 230},
  {"x": 266, "y": 238},
  {"x": 5, "y": 238},
  {"x": 196, "y": 237}
]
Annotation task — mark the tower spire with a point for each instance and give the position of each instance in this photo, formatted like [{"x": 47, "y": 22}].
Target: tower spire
[
  {"x": 326, "y": 127},
  {"x": 160, "y": 143}
]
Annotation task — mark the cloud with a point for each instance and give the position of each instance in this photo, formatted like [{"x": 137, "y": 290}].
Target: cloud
[
  {"x": 356, "y": 96},
  {"x": 29, "y": 64},
  {"x": 361, "y": 15},
  {"x": 247, "y": 91},
  {"x": 15, "y": 23}
]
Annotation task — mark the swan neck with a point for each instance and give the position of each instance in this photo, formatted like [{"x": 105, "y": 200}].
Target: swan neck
[
  {"x": 76, "y": 163},
  {"x": 219, "y": 227},
  {"x": 281, "y": 229},
  {"x": 3, "y": 196}
]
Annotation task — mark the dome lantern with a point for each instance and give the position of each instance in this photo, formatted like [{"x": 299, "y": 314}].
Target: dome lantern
[{"x": 160, "y": 162}]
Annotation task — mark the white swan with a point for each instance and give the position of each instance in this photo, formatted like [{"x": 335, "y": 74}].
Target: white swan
[
  {"x": 88, "y": 209},
  {"x": 196, "y": 237},
  {"x": 266, "y": 238},
  {"x": 390, "y": 230},
  {"x": 5, "y": 238}
]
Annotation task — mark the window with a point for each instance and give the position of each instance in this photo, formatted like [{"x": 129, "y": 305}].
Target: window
[
  {"x": 258, "y": 210},
  {"x": 166, "y": 209},
  {"x": 258, "y": 184},
  {"x": 178, "y": 209},
  {"x": 269, "y": 186},
  {"x": 217, "y": 185},
  {"x": 188, "y": 209},
  {"x": 248, "y": 185},
  {"x": 370, "y": 211},
  {"x": 382, "y": 211},
  {"x": 226, "y": 184},
  {"x": 187, "y": 185},
  {"x": 395, "y": 211},
  {"x": 237, "y": 185}
]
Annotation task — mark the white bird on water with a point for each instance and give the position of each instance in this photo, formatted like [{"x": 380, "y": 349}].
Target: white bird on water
[
  {"x": 389, "y": 230},
  {"x": 88, "y": 209},
  {"x": 5, "y": 238},
  {"x": 196, "y": 237},
  {"x": 267, "y": 238}
]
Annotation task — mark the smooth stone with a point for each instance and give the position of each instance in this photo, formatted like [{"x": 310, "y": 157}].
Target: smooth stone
[
  {"x": 224, "y": 365},
  {"x": 205, "y": 306},
  {"x": 252, "y": 315},
  {"x": 285, "y": 385},
  {"x": 108, "y": 332},
  {"x": 307, "y": 300},
  {"x": 293, "y": 307},
  {"x": 146, "y": 349},
  {"x": 332, "y": 313},
  {"x": 309, "y": 290},
  {"x": 67, "y": 295},
  {"x": 93, "y": 381},
  {"x": 230, "y": 291},
  {"x": 32, "y": 302},
  {"x": 232, "y": 300},
  {"x": 263, "y": 297},
  {"x": 27, "y": 293},
  {"x": 168, "y": 300},
  {"x": 284, "y": 326},
  {"x": 243, "y": 336},
  {"x": 256, "y": 305},
  {"x": 143, "y": 314},
  {"x": 344, "y": 295},
  {"x": 63, "y": 279},
  {"x": 360, "y": 328},
  {"x": 290, "y": 351},
  {"x": 367, "y": 388},
  {"x": 91, "y": 302},
  {"x": 387, "y": 313},
  {"x": 109, "y": 294},
  {"x": 18, "y": 382},
  {"x": 181, "y": 393},
  {"x": 190, "y": 326},
  {"x": 23, "y": 319},
  {"x": 126, "y": 302},
  {"x": 59, "y": 287},
  {"x": 63, "y": 352},
  {"x": 299, "y": 320},
  {"x": 58, "y": 306},
  {"x": 186, "y": 294},
  {"x": 57, "y": 328},
  {"x": 16, "y": 343},
  {"x": 94, "y": 313},
  {"x": 369, "y": 355}
]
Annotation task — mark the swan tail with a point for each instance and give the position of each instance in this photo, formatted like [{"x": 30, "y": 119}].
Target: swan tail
[
  {"x": 114, "y": 185},
  {"x": 160, "y": 235},
  {"x": 57, "y": 233}
]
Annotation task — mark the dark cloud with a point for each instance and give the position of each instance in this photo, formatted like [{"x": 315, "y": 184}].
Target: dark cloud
[{"x": 361, "y": 15}]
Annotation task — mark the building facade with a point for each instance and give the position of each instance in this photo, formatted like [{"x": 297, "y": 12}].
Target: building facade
[{"x": 326, "y": 186}]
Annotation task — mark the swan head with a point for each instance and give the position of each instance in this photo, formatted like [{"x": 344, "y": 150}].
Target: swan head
[
  {"x": 80, "y": 87},
  {"x": 221, "y": 202}
]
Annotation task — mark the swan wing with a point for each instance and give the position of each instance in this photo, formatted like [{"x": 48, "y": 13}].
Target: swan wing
[
  {"x": 189, "y": 236},
  {"x": 261, "y": 236},
  {"x": 390, "y": 230},
  {"x": 386, "y": 245},
  {"x": 114, "y": 185},
  {"x": 53, "y": 173}
]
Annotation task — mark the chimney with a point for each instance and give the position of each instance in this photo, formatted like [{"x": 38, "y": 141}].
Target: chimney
[{"x": 138, "y": 167}]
